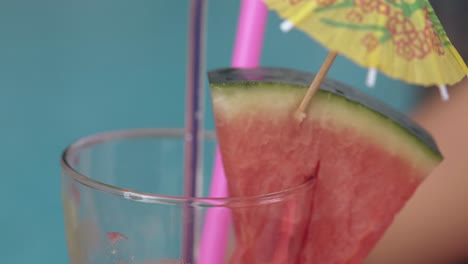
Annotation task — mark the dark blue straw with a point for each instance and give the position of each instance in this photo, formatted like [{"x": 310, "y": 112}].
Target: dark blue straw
[{"x": 193, "y": 118}]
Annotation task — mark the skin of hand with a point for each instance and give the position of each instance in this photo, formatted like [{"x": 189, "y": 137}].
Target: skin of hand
[{"x": 433, "y": 226}]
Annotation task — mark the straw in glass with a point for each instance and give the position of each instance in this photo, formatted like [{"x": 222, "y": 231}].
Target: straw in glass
[
  {"x": 247, "y": 53},
  {"x": 193, "y": 119}
]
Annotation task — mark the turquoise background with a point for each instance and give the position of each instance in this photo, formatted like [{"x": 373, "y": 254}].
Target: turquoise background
[{"x": 73, "y": 68}]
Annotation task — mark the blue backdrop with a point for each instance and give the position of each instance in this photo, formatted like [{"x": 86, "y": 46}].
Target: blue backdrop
[{"x": 72, "y": 68}]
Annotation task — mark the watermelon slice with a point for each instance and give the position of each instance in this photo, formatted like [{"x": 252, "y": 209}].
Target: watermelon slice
[{"x": 371, "y": 157}]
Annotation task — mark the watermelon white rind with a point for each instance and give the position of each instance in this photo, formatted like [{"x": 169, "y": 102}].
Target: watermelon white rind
[{"x": 287, "y": 79}]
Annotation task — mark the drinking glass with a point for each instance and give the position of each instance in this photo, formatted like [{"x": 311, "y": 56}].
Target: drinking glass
[{"x": 123, "y": 201}]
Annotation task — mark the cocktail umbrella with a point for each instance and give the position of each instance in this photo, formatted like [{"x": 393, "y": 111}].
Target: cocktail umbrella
[{"x": 403, "y": 39}]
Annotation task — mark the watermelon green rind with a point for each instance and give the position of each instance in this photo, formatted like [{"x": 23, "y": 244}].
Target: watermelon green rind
[{"x": 287, "y": 80}]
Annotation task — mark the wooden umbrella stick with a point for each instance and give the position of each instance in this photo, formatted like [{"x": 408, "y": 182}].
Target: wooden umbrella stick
[{"x": 299, "y": 114}]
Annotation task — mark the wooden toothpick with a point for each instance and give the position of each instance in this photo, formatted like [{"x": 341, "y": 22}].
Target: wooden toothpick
[{"x": 299, "y": 114}]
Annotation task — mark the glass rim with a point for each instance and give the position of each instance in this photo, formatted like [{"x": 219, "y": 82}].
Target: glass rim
[{"x": 88, "y": 141}]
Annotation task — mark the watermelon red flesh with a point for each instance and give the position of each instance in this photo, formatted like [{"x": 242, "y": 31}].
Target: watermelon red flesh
[
  {"x": 351, "y": 212},
  {"x": 273, "y": 233},
  {"x": 369, "y": 167}
]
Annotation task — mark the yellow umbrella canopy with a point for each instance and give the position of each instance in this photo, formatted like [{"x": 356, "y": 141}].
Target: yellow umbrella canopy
[{"x": 403, "y": 39}]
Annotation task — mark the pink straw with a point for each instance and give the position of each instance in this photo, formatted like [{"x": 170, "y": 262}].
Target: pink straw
[
  {"x": 250, "y": 32},
  {"x": 247, "y": 53}
]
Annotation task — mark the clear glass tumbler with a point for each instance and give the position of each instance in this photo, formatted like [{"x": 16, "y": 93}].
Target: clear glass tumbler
[{"x": 123, "y": 202}]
